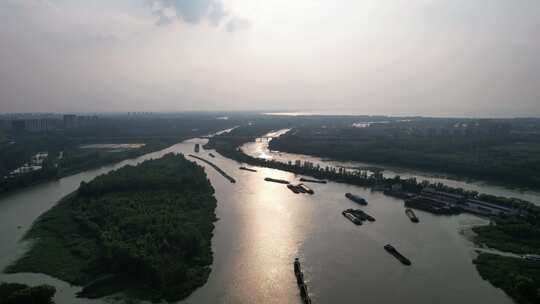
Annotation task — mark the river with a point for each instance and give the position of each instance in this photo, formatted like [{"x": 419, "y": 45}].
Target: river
[{"x": 262, "y": 226}]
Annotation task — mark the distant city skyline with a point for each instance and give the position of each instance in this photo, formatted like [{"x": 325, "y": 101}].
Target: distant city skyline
[{"x": 416, "y": 58}]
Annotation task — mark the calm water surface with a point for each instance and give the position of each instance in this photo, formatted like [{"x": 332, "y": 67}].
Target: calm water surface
[{"x": 262, "y": 226}]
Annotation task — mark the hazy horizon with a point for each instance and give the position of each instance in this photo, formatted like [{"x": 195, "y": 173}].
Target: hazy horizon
[{"x": 416, "y": 58}]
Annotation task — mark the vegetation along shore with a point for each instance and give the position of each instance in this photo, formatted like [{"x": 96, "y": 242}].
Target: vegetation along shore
[
  {"x": 144, "y": 230},
  {"x": 517, "y": 232}
]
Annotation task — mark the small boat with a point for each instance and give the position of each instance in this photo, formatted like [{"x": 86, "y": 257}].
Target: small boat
[
  {"x": 393, "y": 251},
  {"x": 211, "y": 155},
  {"x": 411, "y": 215},
  {"x": 355, "y": 198},
  {"x": 197, "y": 147}
]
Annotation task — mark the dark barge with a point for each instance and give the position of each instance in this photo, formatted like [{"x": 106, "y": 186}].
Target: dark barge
[
  {"x": 293, "y": 188},
  {"x": 304, "y": 294},
  {"x": 355, "y": 198},
  {"x": 351, "y": 217},
  {"x": 275, "y": 180},
  {"x": 247, "y": 169},
  {"x": 312, "y": 180},
  {"x": 361, "y": 215},
  {"x": 218, "y": 169},
  {"x": 393, "y": 251},
  {"x": 411, "y": 215}
]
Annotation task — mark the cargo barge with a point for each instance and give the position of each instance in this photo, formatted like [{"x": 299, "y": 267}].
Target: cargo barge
[
  {"x": 312, "y": 180},
  {"x": 361, "y": 215},
  {"x": 218, "y": 169},
  {"x": 306, "y": 189},
  {"x": 351, "y": 217},
  {"x": 275, "y": 180},
  {"x": 411, "y": 215},
  {"x": 197, "y": 147},
  {"x": 293, "y": 188},
  {"x": 355, "y": 198},
  {"x": 247, "y": 169},
  {"x": 393, "y": 251},
  {"x": 304, "y": 294}
]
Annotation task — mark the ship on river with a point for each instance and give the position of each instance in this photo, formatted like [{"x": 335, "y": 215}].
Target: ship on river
[
  {"x": 411, "y": 215},
  {"x": 351, "y": 217},
  {"x": 275, "y": 180},
  {"x": 293, "y": 188},
  {"x": 197, "y": 147},
  {"x": 393, "y": 251},
  {"x": 355, "y": 198},
  {"x": 301, "y": 283},
  {"x": 318, "y": 181},
  {"x": 247, "y": 169},
  {"x": 306, "y": 189}
]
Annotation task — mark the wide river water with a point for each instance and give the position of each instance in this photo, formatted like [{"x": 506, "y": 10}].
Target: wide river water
[{"x": 263, "y": 226}]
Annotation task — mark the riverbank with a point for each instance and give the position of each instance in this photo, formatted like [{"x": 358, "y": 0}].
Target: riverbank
[
  {"x": 76, "y": 162},
  {"x": 229, "y": 146},
  {"x": 483, "y": 234},
  {"x": 150, "y": 240},
  {"x": 504, "y": 157},
  {"x": 14, "y": 293},
  {"x": 518, "y": 277}
]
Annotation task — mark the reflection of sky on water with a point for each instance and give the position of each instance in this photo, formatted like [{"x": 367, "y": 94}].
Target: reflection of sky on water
[{"x": 260, "y": 149}]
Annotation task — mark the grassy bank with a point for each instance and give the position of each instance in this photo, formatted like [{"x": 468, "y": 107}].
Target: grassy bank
[
  {"x": 519, "y": 278},
  {"x": 143, "y": 230}
]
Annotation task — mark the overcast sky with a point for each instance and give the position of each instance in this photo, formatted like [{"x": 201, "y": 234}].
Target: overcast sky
[{"x": 396, "y": 57}]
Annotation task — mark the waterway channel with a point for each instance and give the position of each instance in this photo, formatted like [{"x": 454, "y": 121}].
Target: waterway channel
[{"x": 263, "y": 226}]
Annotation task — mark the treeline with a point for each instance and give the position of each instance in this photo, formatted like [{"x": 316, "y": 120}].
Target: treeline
[
  {"x": 47, "y": 172},
  {"x": 519, "y": 278},
  {"x": 14, "y": 293},
  {"x": 228, "y": 145},
  {"x": 157, "y": 132},
  {"x": 506, "y": 158},
  {"x": 144, "y": 230},
  {"x": 77, "y": 160}
]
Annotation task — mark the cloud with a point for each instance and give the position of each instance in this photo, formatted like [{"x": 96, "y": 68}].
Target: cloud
[
  {"x": 196, "y": 12},
  {"x": 236, "y": 24}
]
